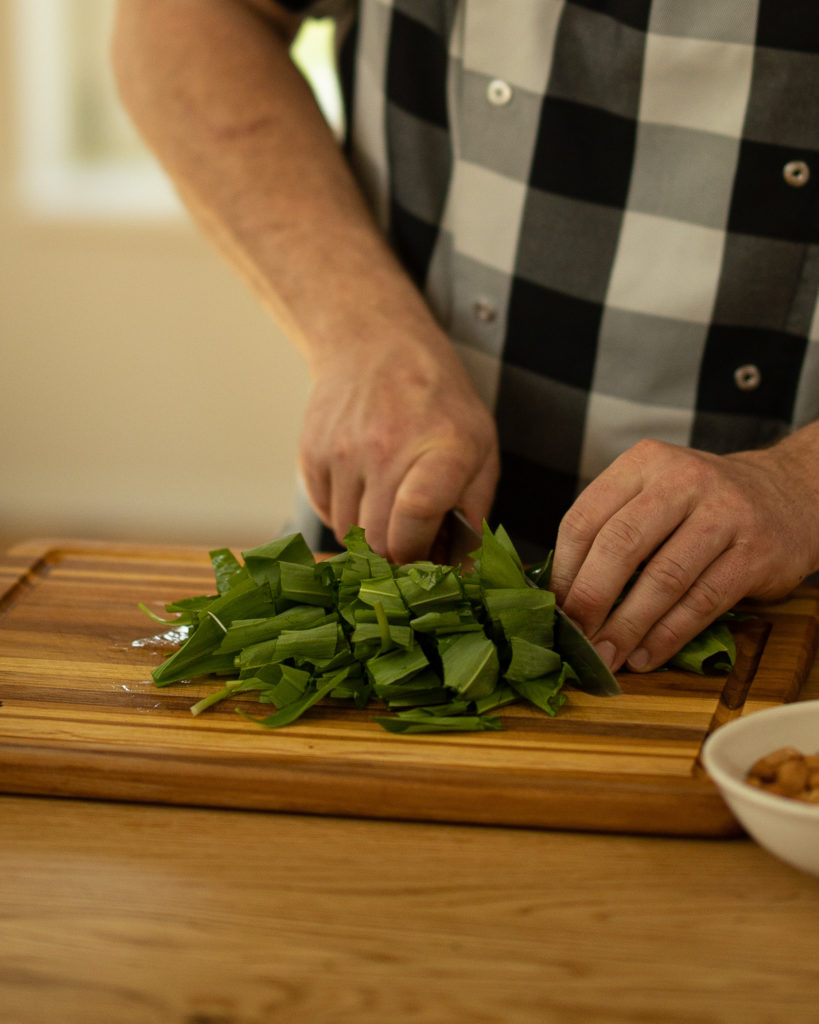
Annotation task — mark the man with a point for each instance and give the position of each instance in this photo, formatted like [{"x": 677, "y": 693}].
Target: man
[{"x": 570, "y": 243}]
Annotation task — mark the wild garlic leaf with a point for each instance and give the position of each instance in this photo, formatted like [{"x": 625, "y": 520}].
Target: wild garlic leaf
[
  {"x": 442, "y": 723},
  {"x": 441, "y": 646},
  {"x": 713, "y": 650}
]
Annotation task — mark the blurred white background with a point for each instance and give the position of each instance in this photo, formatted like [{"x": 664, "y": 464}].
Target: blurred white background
[{"x": 144, "y": 395}]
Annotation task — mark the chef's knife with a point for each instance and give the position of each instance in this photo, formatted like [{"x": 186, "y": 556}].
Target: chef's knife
[{"x": 594, "y": 676}]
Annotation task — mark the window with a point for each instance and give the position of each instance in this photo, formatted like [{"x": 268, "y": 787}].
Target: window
[{"x": 79, "y": 155}]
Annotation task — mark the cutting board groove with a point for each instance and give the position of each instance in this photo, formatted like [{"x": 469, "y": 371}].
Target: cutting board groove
[{"x": 80, "y": 717}]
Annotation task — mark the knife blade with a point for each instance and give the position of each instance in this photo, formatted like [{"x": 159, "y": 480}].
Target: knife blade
[{"x": 593, "y": 674}]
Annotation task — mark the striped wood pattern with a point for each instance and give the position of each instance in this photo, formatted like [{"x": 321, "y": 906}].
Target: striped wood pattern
[{"x": 81, "y": 718}]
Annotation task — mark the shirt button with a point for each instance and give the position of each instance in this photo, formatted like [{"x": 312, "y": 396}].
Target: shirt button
[
  {"x": 485, "y": 311},
  {"x": 796, "y": 173},
  {"x": 499, "y": 92},
  {"x": 747, "y": 377}
]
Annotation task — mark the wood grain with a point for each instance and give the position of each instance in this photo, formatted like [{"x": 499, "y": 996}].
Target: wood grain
[
  {"x": 81, "y": 717},
  {"x": 125, "y": 914}
]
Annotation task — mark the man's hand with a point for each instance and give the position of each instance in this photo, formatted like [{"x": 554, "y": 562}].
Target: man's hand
[
  {"x": 395, "y": 440},
  {"x": 704, "y": 531}
]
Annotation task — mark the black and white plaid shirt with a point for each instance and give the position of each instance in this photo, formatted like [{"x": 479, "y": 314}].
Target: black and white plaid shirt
[{"x": 611, "y": 206}]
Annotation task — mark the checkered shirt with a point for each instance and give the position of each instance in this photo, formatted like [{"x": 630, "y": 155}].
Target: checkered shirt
[{"x": 611, "y": 206}]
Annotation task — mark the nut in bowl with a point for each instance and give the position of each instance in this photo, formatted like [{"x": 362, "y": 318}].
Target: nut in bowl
[{"x": 784, "y": 825}]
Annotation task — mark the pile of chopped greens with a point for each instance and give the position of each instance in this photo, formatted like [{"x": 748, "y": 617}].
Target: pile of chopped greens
[{"x": 439, "y": 647}]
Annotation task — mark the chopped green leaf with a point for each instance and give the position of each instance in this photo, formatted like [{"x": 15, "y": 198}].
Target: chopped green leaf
[
  {"x": 470, "y": 664},
  {"x": 428, "y": 589},
  {"x": 523, "y": 612},
  {"x": 453, "y": 620},
  {"x": 713, "y": 650},
  {"x": 291, "y": 712},
  {"x": 545, "y": 692},
  {"x": 497, "y": 565},
  {"x": 243, "y": 633},
  {"x": 263, "y": 562},
  {"x": 530, "y": 661},
  {"x": 444, "y": 645},
  {"x": 395, "y": 667},
  {"x": 180, "y": 621},
  {"x": 440, "y": 723},
  {"x": 304, "y": 585},
  {"x": 372, "y": 638},
  {"x": 227, "y": 569},
  {"x": 383, "y": 592}
]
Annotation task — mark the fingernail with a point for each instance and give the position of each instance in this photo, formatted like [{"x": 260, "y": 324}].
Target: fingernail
[
  {"x": 607, "y": 651},
  {"x": 638, "y": 660}
]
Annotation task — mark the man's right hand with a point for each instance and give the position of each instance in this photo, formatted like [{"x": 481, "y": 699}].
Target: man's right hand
[{"x": 393, "y": 442}]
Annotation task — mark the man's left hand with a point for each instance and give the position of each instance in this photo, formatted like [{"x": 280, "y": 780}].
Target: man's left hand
[{"x": 703, "y": 531}]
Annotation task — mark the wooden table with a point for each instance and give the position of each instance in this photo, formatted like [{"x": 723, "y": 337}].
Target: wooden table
[{"x": 127, "y": 914}]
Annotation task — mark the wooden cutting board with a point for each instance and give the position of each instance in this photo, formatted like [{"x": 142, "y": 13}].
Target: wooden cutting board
[{"x": 80, "y": 717}]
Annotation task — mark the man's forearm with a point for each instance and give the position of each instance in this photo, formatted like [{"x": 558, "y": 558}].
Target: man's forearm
[
  {"x": 213, "y": 90},
  {"x": 394, "y": 433}
]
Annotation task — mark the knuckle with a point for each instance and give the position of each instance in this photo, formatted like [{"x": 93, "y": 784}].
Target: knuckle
[
  {"x": 377, "y": 442},
  {"x": 575, "y": 525},
  {"x": 619, "y": 536},
  {"x": 627, "y": 631},
  {"x": 584, "y": 599},
  {"x": 703, "y": 599},
  {"x": 664, "y": 640},
  {"x": 341, "y": 449},
  {"x": 666, "y": 575},
  {"x": 744, "y": 515},
  {"x": 560, "y": 582},
  {"x": 697, "y": 471},
  {"x": 647, "y": 454},
  {"x": 433, "y": 483},
  {"x": 417, "y": 503},
  {"x": 648, "y": 449}
]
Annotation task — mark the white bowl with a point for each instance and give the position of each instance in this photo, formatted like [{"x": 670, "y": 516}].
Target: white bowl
[{"x": 787, "y": 828}]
